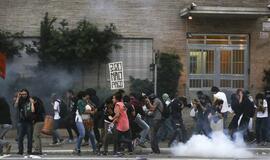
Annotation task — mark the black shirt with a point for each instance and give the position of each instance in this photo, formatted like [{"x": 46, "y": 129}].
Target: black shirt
[{"x": 4, "y": 112}]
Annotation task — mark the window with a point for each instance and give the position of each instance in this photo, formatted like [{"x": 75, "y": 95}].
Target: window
[{"x": 217, "y": 60}]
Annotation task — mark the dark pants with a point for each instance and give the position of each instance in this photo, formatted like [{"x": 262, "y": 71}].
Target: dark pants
[
  {"x": 179, "y": 131},
  {"x": 69, "y": 130},
  {"x": 156, "y": 124},
  {"x": 55, "y": 134},
  {"x": 261, "y": 129},
  {"x": 26, "y": 128},
  {"x": 122, "y": 137}
]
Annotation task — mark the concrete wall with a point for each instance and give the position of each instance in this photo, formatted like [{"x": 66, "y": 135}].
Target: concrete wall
[{"x": 157, "y": 19}]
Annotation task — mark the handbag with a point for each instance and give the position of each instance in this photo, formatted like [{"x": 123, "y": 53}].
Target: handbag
[{"x": 88, "y": 123}]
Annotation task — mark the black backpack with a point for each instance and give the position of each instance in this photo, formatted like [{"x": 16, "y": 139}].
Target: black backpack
[
  {"x": 63, "y": 109},
  {"x": 165, "y": 112}
]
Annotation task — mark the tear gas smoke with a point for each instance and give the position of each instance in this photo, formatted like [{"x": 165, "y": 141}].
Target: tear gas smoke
[{"x": 219, "y": 145}]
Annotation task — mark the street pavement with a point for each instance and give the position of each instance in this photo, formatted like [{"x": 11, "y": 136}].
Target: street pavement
[{"x": 64, "y": 151}]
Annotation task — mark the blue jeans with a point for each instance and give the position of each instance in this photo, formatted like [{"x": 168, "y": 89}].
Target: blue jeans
[
  {"x": 145, "y": 128},
  {"x": 91, "y": 134},
  {"x": 81, "y": 131},
  {"x": 165, "y": 130},
  {"x": 4, "y": 128}
]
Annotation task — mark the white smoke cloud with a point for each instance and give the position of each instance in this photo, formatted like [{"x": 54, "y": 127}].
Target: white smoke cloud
[{"x": 218, "y": 146}]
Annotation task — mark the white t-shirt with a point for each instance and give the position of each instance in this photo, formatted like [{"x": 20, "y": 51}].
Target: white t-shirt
[
  {"x": 56, "y": 108},
  {"x": 222, "y": 96},
  {"x": 78, "y": 117},
  {"x": 261, "y": 114}
]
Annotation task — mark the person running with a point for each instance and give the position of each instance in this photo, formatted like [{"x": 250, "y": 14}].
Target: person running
[
  {"x": 122, "y": 129},
  {"x": 5, "y": 125}
]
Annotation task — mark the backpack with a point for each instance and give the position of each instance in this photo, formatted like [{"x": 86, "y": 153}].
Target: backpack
[
  {"x": 63, "y": 110},
  {"x": 165, "y": 113}
]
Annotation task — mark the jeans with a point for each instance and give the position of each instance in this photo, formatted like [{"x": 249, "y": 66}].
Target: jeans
[
  {"x": 55, "y": 134},
  {"x": 165, "y": 130},
  {"x": 225, "y": 117},
  {"x": 37, "y": 136},
  {"x": 203, "y": 127},
  {"x": 26, "y": 128},
  {"x": 82, "y": 130},
  {"x": 261, "y": 131},
  {"x": 156, "y": 124},
  {"x": 4, "y": 128},
  {"x": 179, "y": 131},
  {"x": 145, "y": 128},
  {"x": 268, "y": 128}
]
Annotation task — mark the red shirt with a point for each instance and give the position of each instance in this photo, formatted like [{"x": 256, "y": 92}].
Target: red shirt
[{"x": 122, "y": 123}]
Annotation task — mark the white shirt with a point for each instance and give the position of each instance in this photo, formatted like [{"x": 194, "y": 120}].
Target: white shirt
[
  {"x": 222, "y": 96},
  {"x": 261, "y": 114},
  {"x": 56, "y": 108},
  {"x": 78, "y": 117}
]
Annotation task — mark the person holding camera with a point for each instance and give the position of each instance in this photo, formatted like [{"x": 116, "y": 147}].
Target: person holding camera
[
  {"x": 215, "y": 116},
  {"x": 155, "y": 108},
  {"x": 202, "y": 122},
  {"x": 26, "y": 108},
  {"x": 179, "y": 129}
]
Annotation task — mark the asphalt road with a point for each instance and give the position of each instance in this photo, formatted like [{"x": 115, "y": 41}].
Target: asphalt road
[{"x": 137, "y": 157}]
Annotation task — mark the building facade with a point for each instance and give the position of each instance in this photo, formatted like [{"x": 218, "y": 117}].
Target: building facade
[{"x": 228, "y": 51}]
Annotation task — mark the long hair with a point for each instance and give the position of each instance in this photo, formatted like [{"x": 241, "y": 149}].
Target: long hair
[{"x": 23, "y": 101}]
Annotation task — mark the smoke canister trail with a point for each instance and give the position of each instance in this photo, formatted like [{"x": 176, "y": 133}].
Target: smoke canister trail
[{"x": 218, "y": 146}]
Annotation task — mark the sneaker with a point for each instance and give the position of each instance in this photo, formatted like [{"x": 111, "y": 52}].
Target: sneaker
[
  {"x": 76, "y": 152},
  {"x": 142, "y": 145},
  {"x": 118, "y": 154},
  {"x": 105, "y": 153},
  {"x": 8, "y": 148},
  {"x": 37, "y": 153},
  {"x": 53, "y": 143},
  {"x": 85, "y": 144},
  {"x": 20, "y": 153},
  {"x": 70, "y": 140}
]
